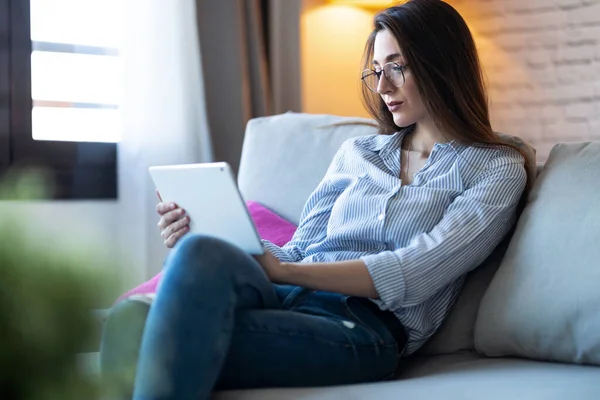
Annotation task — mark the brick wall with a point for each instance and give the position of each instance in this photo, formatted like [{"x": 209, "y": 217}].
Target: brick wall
[{"x": 542, "y": 62}]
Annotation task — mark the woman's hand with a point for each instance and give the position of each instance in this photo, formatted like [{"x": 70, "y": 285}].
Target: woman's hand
[
  {"x": 349, "y": 277},
  {"x": 173, "y": 222},
  {"x": 275, "y": 269}
]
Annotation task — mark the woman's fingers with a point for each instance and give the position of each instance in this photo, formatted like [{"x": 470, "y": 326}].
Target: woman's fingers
[
  {"x": 163, "y": 208},
  {"x": 172, "y": 240},
  {"x": 175, "y": 226},
  {"x": 173, "y": 222},
  {"x": 170, "y": 217}
]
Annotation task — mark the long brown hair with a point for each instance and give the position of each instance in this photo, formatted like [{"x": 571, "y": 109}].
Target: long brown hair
[{"x": 440, "y": 52}]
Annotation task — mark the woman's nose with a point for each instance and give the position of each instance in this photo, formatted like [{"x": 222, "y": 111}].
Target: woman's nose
[{"x": 384, "y": 85}]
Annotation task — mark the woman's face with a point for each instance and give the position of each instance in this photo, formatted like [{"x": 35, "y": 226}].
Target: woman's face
[{"x": 403, "y": 102}]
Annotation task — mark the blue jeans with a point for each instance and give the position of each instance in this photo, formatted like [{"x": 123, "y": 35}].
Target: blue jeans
[{"x": 219, "y": 323}]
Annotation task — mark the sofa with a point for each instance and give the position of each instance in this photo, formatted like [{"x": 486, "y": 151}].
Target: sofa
[{"x": 527, "y": 322}]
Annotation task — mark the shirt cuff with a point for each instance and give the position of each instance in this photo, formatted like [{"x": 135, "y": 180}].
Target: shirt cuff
[
  {"x": 387, "y": 277},
  {"x": 277, "y": 251}
]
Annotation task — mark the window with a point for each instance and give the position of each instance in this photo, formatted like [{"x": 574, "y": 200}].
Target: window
[{"x": 60, "y": 83}]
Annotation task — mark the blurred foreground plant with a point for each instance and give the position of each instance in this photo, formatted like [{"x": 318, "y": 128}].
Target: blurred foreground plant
[{"x": 46, "y": 299}]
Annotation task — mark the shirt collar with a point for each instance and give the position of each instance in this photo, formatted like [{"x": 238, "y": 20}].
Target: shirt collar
[{"x": 388, "y": 143}]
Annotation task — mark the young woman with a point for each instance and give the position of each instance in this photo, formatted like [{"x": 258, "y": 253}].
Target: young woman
[{"x": 382, "y": 248}]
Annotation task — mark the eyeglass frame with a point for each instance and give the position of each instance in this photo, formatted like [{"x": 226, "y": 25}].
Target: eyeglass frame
[{"x": 379, "y": 73}]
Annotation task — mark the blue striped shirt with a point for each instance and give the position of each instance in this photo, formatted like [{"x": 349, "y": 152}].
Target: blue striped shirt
[{"x": 419, "y": 240}]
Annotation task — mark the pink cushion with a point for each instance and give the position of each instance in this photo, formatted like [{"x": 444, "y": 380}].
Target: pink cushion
[{"x": 270, "y": 226}]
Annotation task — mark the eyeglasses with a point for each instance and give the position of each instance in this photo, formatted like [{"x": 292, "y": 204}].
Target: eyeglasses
[{"x": 392, "y": 71}]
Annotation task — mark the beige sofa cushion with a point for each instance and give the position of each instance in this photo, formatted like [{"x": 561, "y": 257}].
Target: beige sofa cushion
[
  {"x": 285, "y": 157},
  {"x": 458, "y": 329},
  {"x": 454, "y": 377},
  {"x": 544, "y": 301}
]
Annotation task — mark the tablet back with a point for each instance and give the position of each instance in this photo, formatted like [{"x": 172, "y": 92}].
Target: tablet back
[{"x": 209, "y": 195}]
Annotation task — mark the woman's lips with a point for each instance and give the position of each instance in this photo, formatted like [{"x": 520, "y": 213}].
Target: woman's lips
[{"x": 394, "y": 105}]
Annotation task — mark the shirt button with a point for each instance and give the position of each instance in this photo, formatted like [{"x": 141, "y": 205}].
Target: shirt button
[{"x": 380, "y": 217}]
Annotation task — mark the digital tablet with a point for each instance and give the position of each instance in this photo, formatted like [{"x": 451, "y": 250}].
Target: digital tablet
[{"x": 210, "y": 196}]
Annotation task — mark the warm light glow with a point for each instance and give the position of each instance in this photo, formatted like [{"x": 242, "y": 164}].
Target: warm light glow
[
  {"x": 332, "y": 43},
  {"x": 370, "y": 4}
]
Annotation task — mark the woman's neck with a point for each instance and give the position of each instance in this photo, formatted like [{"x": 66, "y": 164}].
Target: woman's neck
[{"x": 425, "y": 136}]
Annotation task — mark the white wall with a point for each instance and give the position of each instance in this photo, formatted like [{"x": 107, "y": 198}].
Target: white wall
[
  {"x": 79, "y": 221},
  {"x": 98, "y": 226},
  {"x": 89, "y": 226},
  {"x": 542, "y": 60}
]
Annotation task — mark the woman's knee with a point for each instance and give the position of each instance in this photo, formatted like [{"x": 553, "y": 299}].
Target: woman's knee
[
  {"x": 200, "y": 255},
  {"x": 203, "y": 244}
]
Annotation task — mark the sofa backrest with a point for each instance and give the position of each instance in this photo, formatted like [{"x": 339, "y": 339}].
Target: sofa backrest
[{"x": 284, "y": 157}]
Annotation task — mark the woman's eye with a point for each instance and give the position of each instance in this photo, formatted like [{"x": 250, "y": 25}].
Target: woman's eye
[{"x": 399, "y": 68}]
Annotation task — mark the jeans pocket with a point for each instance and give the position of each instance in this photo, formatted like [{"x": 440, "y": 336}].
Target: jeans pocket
[{"x": 356, "y": 312}]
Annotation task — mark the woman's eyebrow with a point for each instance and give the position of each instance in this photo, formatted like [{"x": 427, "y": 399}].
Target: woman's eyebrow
[{"x": 389, "y": 58}]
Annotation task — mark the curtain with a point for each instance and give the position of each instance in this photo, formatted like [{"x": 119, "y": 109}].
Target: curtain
[
  {"x": 195, "y": 72},
  {"x": 251, "y": 63},
  {"x": 236, "y": 72},
  {"x": 164, "y": 119},
  {"x": 284, "y": 54}
]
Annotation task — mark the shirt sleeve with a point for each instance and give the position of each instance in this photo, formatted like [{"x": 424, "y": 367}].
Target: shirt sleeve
[
  {"x": 314, "y": 218},
  {"x": 473, "y": 225},
  {"x": 277, "y": 251}
]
